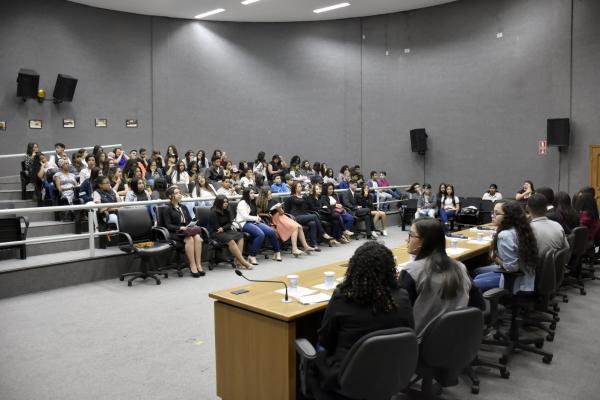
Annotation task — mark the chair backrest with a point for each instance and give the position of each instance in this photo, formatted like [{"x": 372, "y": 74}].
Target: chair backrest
[
  {"x": 202, "y": 216},
  {"x": 233, "y": 204},
  {"x": 410, "y": 204},
  {"x": 452, "y": 341},
  {"x": 136, "y": 222},
  {"x": 10, "y": 229},
  {"x": 561, "y": 258},
  {"x": 380, "y": 364},
  {"x": 580, "y": 240},
  {"x": 470, "y": 202},
  {"x": 160, "y": 215},
  {"x": 183, "y": 188},
  {"x": 545, "y": 274}
]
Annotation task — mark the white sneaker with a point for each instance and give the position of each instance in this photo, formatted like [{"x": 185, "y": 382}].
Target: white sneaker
[
  {"x": 384, "y": 233},
  {"x": 374, "y": 234}
]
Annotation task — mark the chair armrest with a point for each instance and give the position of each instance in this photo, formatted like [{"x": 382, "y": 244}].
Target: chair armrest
[
  {"x": 160, "y": 230},
  {"x": 494, "y": 294},
  {"x": 305, "y": 349},
  {"x": 129, "y": 248},
  {"x": 236, "y": 226},
  {"x": 26, "y": 222}
]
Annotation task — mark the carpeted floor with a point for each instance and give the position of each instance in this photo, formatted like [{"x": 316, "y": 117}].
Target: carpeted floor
[{"x": 105, "y": 340}]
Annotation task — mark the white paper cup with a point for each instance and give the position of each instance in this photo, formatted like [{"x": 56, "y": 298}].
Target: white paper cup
[
  {"x": 329, "y": 279},
  {"x": 453, "y": 242},
  {"x": 479, "y": 236},
  {"x": 292, "y": 282}
]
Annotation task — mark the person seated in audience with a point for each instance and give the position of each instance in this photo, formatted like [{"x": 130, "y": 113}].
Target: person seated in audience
[
  {"x": 585, "y": 204},
  {"x": 89, "y": 185},
  {"x": 298, "y": 207},
  {"x": 382, "y": 181},
  {"x": 319, "y": 204},
  {"x": 357, "y": 176},
  {"x": 514, "y": 248},
  {"x": 565, "y": 214},
  {"x": 192, "y": 171},
  {"x": 296, "y": 173},
  {"x": 171, "y": 167},
  {"x": 450, "y": 205},
  {"x": 135, "y": 172},
  {"x": 228, "y": 169},
  {"x": 180, "y": 175},
  {"x": 227, "y": 189},
  {"x": 351, "y": 205},
  {"x": 59, "y": 154},
  {"x": 344, "y": 175},
  {"x": 379, "y": 195},
  {"x": 32, "y": 150},
  {"x": 65, "y": 182},
  {"x": 588, "y": 189},
  {"x": 260, "y": 172},
  {"x": 172, "y": 152},
  {"x": 39, "y": 173},
  {"x": 260, "y": 159},
  {"x": 329, "y": 178},
  {"x": 278, "y": 186},
  {"x": 159, "y": 191},
  {"x": 236, "y": 182},
  {"x": 247, "y": 180},
  {"x": 425, "y": 203},
  {"x": 548, "y": 193},
  {"x": 276, "y": 167},
  {"x": 306, "y": 169},
  {"x": 492, "y": 193},
  {"x": 189, "y": 158},
  {"x": 158, "y": 158},
  {"x": 286, "y": 228},
  {"x": 90, "y": 163},
  {"x": 106, "y": 194},
  {"x": 549, "y": 234},
  {"x": 133, "y": 162},
  {"x": 364, "y": 199},
  {"x": 202, "y": 160},
  {"x": 435, "y": 283},
  {"x": 336, "y": 207},
  {"x": 289, "y": 180},
  {"x": 220, "y": 228},
  {"x": 176, "y": 220},
  {"x": 102, "y": 162},
  {"x": 116, "y": 181},
  {"x": 248, "y": 219},
  {"x": 203, "y": 190},
  {"x": 440, "y": 195},
  {"x": 153, "y": 173},
  {"x": 216, "y": 173},
  {"x": 414, "y": 191},
  {"x": 143, "y": 159},
  {"x": 367, "y": 300},
  {"x": 218, "y": 153},
  {"x": 527, "y": 190},
  {"x": 120, "y": 157},
  {"x": 139, "y": 192}
]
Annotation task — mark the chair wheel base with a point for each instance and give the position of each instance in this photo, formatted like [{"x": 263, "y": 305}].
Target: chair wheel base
[
  {"x": 582, "y": 292},
  {"x": 503, "y": 360},
  {"x": 550, "y": 338},
  {"x": 547, "y": 359},
  {"x": 539, "y": 344},
  {"x": 505, "y": 373},
  {"x": 475, "y": 389},
  {"x": 129, "y": 283}
]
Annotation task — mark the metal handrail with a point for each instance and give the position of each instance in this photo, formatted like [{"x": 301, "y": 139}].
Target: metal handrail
[
  {"x": 66, "y": 150},
  {"x": 92, "y": 209}
]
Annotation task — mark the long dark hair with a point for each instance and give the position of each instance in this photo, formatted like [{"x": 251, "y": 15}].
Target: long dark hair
[
  {"x": 94, "y": 175},
  {"x": 433, "y": 238},
  {"x": 251, "y": 203},
  {"x": 30, "y": 148},
  {"x": 453, "y": 195},
  {"x": 218, "y": 203},
  {"x": 563, "y": 206},
  {"x": 371, "y": 278},
  {"x": 141, "y": 195},
  {"x": 515, "y": 217},
  {"x": 584, "y": 201}
]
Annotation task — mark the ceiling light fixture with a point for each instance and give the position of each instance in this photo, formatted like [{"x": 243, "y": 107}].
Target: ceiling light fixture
[
  {"x": 209, "y": 13},
  {"x": 246, "y": 2},
  {"x": 329, "y": 8}
]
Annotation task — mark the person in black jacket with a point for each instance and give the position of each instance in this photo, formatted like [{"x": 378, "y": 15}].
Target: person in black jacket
[
  {"x": 565, "y": 214},
  {"x": 357, "y": 211},
  {"x": 369, "y": 299},
  {"x": 320, "y": 205},
  {"x": 176, "y": 220},
  {"x": 220, "y": 227}
]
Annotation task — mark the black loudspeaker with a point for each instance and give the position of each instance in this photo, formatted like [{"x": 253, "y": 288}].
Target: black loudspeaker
[
  {"x": 27, "y": 84},
  {"x": 418, "y": 141},
  {"x": 64, "y": 88},
  {"x": 558, "y": 132}
]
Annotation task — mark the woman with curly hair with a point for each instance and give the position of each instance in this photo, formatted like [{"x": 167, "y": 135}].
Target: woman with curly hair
[
  {"x": 369, "y": 299},
  {"x": 435, "y": 283},
  {"x": 514, "y": 248}
]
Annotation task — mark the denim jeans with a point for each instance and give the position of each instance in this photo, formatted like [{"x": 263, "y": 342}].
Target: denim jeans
[{"x": 259, "y": 232}]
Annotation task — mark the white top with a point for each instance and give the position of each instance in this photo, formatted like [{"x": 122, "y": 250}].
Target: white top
[
  {"x": 332, "y": 200},
  {"x": 183, "y": 178},
  {"x": 243, "y": 214},
  {"x": 227, "y": 192},
  {"x": 447, "y": 202},
  {"x": 497, "y": 196},
  {"x": 246, "y": 182}
]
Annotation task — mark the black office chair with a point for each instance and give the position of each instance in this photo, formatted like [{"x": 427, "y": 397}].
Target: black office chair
[
  {"x": 214, "y": 251},
  {"x": 135, "y": 226},
  {"x": 177, "y": 259},
  {"x": 11, "y": 231},
  {"x": 450, "y": 344},
  {"x": 409, "y": 209},
  {"x": 574, "y": 278},
  {"x": 378, "y": 366},
  {"x": 469, "y": 212},
  {"x": 485, "y": 211},
  {"x": 25, "y": 180}
]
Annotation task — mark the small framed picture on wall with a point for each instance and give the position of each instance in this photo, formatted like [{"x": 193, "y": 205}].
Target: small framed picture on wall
[
  {"x": 68, "y": 123},
  {"x": 35, "y": 124},
  {"x": 131, "y": 123},
  {"x": 100, "y": 122},
  {"x": 2, "y": 125}
]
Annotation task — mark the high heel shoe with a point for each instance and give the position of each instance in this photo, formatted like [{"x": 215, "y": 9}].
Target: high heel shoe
[
  {"x": 348, "y": 233},
  {"x": 334, "y": 242},
  {"x": 277, "y": 257},
  {"x": 251, "y": 261},
  {"x": 198, "y": 274},
  {"x": 309, "y": 250},
  {"x": 297, "y": 253},
  {"x": 327, "y": 237}
]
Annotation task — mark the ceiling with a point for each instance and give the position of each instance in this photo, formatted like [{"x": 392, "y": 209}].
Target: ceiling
[{"x": 261, "y": 11}]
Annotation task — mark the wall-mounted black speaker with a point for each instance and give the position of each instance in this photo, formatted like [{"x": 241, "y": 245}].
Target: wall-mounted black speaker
[
  {"x": 27, "y": 84},
  {"x": 418, "y": 141},
  {"x": 64, "y": 88},
  {"x": 558, "y": 132}
]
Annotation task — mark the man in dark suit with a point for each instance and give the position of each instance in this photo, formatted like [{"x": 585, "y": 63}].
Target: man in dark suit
[{"x": 348, "y": 199}]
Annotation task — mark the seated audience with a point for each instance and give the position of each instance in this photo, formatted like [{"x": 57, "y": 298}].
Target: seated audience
[
  {"x": 492, "y": 193},
  {"x": 514, "y": 248},
  {"x": 88, "y": 186},
  {"x": 193, "y": 170},
  {"x": 278, "y": 186},
  {"x": 425, "y": 202},
  {"x": 527, "y": 190},
  {"x": 203, "y": 190},
  {"x": 435, "y": 283},
  {"x": 349, "y": 202},
  {"x": 276, "y": 167},
  {"x": 138, "y": 192},
  {"x": 220, "y": 228},
  {"x": 336, "y": 207},
  {"x": 106, "y": 194},
  {"x": 65, "y": 182},
  {"x": 153, "y": 173},
  {"x": 318, "y": 203},
  {"x": 59, "y": 154},
  {"x": 177, "y": 220},
  {"x": 227, "y": 189},
  {"x": 180, "y": 175},
  {"x": 32, "y": 150},
  {"x": 343, "y": 178},
  {"x": 364, "y": 199},
  {"x": 367, "y": 300},
  {"x": 247, "y": 217},
  {"x": 382, "y": 181},
  {"x": 120, "y": 157},
  {"x": 159, "y": 159},
  {"x": 201, "y": 159},
  {"x": 549, "y": 234},
  {"x": 450, "y": 205},
  {"x": 306, "y": 169},
  {"x": 172, "y": 152},
  {"x": 90, "y": 163},
  {"x": 415, "y": 191},
  {"x": 298, "y": 207},
  {"x": 329, "y": 178},
  {"x": 247, "y": 180},
  {"x": 440, "y": 195},
  {"x": 585, "y": 204},
  {"x": 216, "y": 173},
  {"x": 380, "y": 195},
  {"x": 548, "y": 193},
  {"x": 116, "y": 181},
  {"x": 565, "y": 214}
]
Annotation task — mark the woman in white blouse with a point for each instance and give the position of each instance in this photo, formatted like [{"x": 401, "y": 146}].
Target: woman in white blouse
[
  {"x": 252, "y": 224},
  {"x": 449, "y": 204},
  {"x": 180, "y": 175}
]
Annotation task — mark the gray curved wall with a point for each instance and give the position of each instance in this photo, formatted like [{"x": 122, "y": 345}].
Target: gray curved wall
[{"x": 324, "y": 90}]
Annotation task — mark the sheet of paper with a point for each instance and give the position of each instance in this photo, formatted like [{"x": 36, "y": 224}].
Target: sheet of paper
[
  {"x": 484, "y": 241},
  {"x": 298, "y": 292},
  {"x": 315, "y": 298},
  {"x": 455, "y": 251},
  {"x": 323, "y": 287}
]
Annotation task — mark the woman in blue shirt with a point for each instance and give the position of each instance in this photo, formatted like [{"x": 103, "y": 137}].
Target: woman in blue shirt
[{"x": 514, "y": 249}]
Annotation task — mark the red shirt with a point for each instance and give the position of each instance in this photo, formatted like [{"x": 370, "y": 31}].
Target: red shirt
[{"x": 593, "y": 225}]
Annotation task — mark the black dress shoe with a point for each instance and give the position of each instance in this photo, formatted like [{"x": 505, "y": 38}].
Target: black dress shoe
[{"x": 198, "y": 274}]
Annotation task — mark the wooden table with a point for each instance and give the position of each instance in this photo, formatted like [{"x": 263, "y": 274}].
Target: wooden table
[{"x": 255, "y": 331}]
